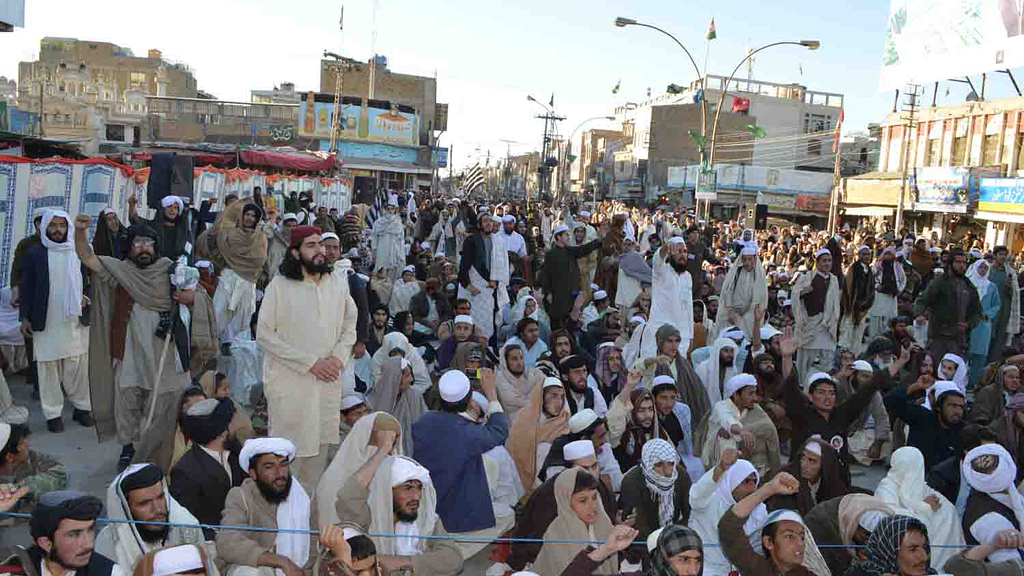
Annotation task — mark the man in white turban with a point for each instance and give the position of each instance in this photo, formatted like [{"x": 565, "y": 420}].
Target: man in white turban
[
  {"x": 739, "y": 422},
  {"x": 388, "y": 239},
  {"x": 744, "y": 293},
  {"x": 718, "y": 368},
  {"x": 671, "y": 295}
]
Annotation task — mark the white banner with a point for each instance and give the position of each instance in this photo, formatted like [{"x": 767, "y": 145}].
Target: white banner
[{"x": 930, "y": 40}]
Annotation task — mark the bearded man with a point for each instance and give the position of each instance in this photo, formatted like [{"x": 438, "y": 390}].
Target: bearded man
[
  {"x": 890, "y": 279},
  {"x": 484, "y": 273},
  {"x": 672, "y": 294},
  {"x": 388, "y": 239},
  {"x": 858, "y": 299},
  {"x": 739, "y": 422},
  {"x": 632, "y": 423},
  {"x": 744, "y": 292},
  {"x": 816, "y": 311},
  {"x": 515, "y": 380},
  {"x": 243, "y": 250},
  {"x": 278, "y": 235},
  {"x": 515, "y": 245},
  {"x": 953, "y": 306},
  {"x": 718, "y": 368},
  {"x": 579, "y": 394},
  {"x": 306, "y": 354},
  {"x": 175, "y": 227},
  {"x": 560, "y": 275},
  {"x": 147, "y": 316}
]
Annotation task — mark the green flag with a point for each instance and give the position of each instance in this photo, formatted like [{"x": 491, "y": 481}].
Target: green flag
[
  {"x": 571, "y": 158},
  {"x": 617, "y": 85},
  {"x": 697, "y": 138},
  {"x": 711, "y": 30},
  {"x": 756, "y": 131},
  {"x": 674, "y": 89}
]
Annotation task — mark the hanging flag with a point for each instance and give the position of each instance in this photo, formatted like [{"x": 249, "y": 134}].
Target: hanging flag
[
  {"x": 698, "y": 139},
  {"x": 711, "y": 30},
  {"x": 801, "y": 68},
  {"x": 617, "y": 86},
  {"x": 757, "y": 131},
  {"x": 674, "y": 89},
  {"x": 741, "y": 105},
  {"x": 839, "y": 126},
  {"x": 551, "y": 103}
]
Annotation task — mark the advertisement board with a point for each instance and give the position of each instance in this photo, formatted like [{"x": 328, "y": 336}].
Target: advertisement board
[
  {"x": 366, "y": 123},
  {"x": 931, "y": 40},
  {"x": 440, "y": 157},
  {"x": 1002, "y": 195},
  {"x": 951, "y": 185},
  {"x": 676, "y": 176}
]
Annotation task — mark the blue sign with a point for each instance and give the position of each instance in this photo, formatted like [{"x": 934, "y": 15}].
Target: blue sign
[
  {"x": 351, "y": 150},
  {"x": 441, "y": 157},
  {"x": 1002, "y": 195},
  {"x": 253, "y": 130}
]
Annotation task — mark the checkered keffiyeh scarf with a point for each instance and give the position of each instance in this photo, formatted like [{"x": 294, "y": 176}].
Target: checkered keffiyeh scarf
[
  {"x": 662, "y": 487},
  {"x": 884, "y": 545},
  {"x": 674, "y": 539}
]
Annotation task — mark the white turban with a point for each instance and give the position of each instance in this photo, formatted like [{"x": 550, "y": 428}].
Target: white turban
[
  {"x": 464, "y": 319},
  {"x": 168, "y": 200},
  {"x": 329, "y": 235},
  {"x": 863, "y": 366},
  {"x": 257, "y": 446},
  {"x": 737, "y": 383},
  {"x": 582, "y": 420},
  {"x": 663, "y": 379},
  {"x": 577, "y": 450},
  {"x": 560, "y": 229},
  {"x": 821, "y": 253},
  {"x": 404, "y": 470},
  {"x": 177, "y": 560}
]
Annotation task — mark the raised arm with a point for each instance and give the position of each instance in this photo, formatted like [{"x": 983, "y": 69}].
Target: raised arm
[{"x": 82, "y": 248}]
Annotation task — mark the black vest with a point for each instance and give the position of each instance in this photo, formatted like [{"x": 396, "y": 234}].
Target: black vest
[{"x": 99, "y": 565}]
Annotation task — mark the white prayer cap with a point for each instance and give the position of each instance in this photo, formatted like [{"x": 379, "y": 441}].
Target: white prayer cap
[
  {"x": 454, "y": 386},
  {"x": 203, "y": 264},
  {"x": 749, "y": 249},
  {"x": 495, "y": 219},
  {"x": 329, "y": 235},
  {"x": 577, "y": 450},
  {"x": 652, "y": 540},
  {"x": 863, "y": 366},
  {"x": 169, "y": 200},
  {"x": 594, "y": 287},
  {"x": 560, "y": 229},
  {"x": 869, "y": 519},
  {"x": 289, "y": 216},
  {"x": 464, "y": 318},
  {"x": 393, "y": 200},
  {"x": 639, "y": 319},
  {"x": 405, "y": 469},
  {"x": 551, "y": 381},
  {"x": 768, "y": 332},
  {"x": 781, "y": 515},
  {"x": 203, "y": 407},
  {"x": 676, "y": 240},
  {"x": 863, "y": 249},
  {"x": 584, "y": 214},
  {"x": 177, "y": 560},
  {"x": 787, "y": 303},
  {"x": 509, "y": 218},
  {"x": 5, "y": 434},
  {"x": 581, "y": 420},
  {"x": 600, "y": 295},
  {"x": 351, "y": 401},
  {"x": 481, "y": 401},
  {"x": 819, "y": 376},
  {"x": 256, "y": 446},
  {"x": 821, "y": 253},
  {"x": 812, "y": 447},
  {"x": 943, "y": 386},
  {"x": 409, "y": 268},
  {"x": 737, "y": 383},
  {"x": 663, "y": 379}
]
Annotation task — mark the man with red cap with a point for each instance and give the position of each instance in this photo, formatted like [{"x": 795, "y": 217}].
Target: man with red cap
[{"x": 306, "y": 352}]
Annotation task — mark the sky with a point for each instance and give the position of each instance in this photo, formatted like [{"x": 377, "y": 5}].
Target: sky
[{"x": 489, "y": 56}]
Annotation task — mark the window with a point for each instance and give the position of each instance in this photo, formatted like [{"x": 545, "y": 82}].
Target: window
[
  {"x": 817, "y": 123},
  {"x": 115, "y": 132},
  {"x": 960, "y": 151},
  {"x": 932, "y": 152},
  {"x": 138, "y": 78},
  {"x": 814, "y": 147},
  {"x": 990, "y": 150}
]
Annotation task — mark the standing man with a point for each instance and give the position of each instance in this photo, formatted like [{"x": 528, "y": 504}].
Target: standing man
[
  {"x": 51, "y": 307},
  {"x": 388, "y": 239},
  {"x": 515, "y": 244},
  {"x": 1007, "y": 323},
  {"x": 858, "y": 297},
  {"x": 147, "y": 318},
  {"x": 243, "y": 249},
  {"x": 484, "y": 273},
  {"x": 671, "y": 295},
  {"x": 17, "y": 266},
  {"x": 697, "y": 253},
  {"x": 278, "y": 237},
  {"x": 954, "y": 309},
  {"x": 175, "y": 228},
  {"x": 306, "y": 353},
  {"x": 816, "y": 311},
  {"x": 561, "y": 275},
  {"x": 890, "y": 280}
]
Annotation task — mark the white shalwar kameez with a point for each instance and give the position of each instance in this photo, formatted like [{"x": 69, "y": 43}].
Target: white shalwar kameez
[
  {"x": 388, "y": 240},
  {"x": 234, "y": 303},
  {"x": 483, "y": 302},
  {"x": 671, "y": 303}
]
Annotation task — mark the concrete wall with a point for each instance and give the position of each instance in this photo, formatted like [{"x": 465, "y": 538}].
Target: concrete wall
[{"x": 671, "y": 144}]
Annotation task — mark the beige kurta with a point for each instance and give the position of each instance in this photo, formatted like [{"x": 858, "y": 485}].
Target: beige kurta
[{"x": 301, "y": 322}]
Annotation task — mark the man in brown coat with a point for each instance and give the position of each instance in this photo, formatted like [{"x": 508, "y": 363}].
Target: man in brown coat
[{"x": 256, "y": 503}]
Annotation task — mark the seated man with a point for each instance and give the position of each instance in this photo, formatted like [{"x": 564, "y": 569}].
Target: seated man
[
  {"x": 406, "y": 485},
  {"x": 631, "y": 422},
  {"x": 585, "y": 425},
  {"x": 461, "y": 333},
  {"x": 989, "y": 470},
  {"x": 849, "y": 520},
  {"x": 936, "y": 431},
  {"x": 657, "y": 492},
  {"x": 22, "y": 466},
  {"x": 541, "y": 509},
  {"x": 528, "y": 336},
  {"x": 717, "y": 491},
  {"x": 990, "y": 402},
  {"x": 739, "y": 422},
  {"x": 866, "y": 443},
  {"x": 140, "y": 493},
  {"x": 674, "y": 418},
  {"x": 353, "y": 407},
  {"x": 515, "y": 379},
  {"x": 451, "y": 447},
  {"x": 205, "y": 474},
  {"x": 269, "y": 489},
  {"x": 820, "y": 475},
  {"x": 947, "y": 477},
  {"x": 62, "y": 529}
]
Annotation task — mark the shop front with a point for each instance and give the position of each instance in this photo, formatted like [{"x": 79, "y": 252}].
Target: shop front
[{"x": 1001, "y": 207}]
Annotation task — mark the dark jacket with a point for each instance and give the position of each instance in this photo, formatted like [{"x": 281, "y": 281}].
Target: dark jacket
[
  {"x": 989, "y": 405},
  {"x": 926, "y": 434},
  {"x": 357, "y": 289},
  {"x": 18, "y": 265},
  {"x": 201, "y": 485},
  {"x": 736, "y": 547},
  {"x": 35, "y": 287},
  {"x": 823, "y": 522},
  {"x": 451, "y": 448},
  {"x": 636, "y": 497},
  {"x": 474, "y": 255},
  {"x": 99, "y": 565},
  {"x": 540, "y": 511},
  {"x": 940, "y": 298},
  {"x": 420, "y": 307},
  {"x": 560, "y": 276},
  {"x": 696, "y": 255},
  {"x": 945, "y": 479}
]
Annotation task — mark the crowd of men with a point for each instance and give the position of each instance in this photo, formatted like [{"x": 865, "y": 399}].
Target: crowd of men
[{"x": 624, "y": 391}]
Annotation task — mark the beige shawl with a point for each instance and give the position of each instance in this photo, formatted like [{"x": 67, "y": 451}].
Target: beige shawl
[
  {"x": 555, "y": 557},
  {"x": 527, "y": 432},
  {"x": 244, "y": 251}
]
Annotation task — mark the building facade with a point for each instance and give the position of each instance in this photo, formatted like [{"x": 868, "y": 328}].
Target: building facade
[
  {"x": 283, "y": 94},
  {"x": 194, "y": 120}
]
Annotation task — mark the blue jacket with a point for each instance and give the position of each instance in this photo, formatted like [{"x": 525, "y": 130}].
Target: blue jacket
[
  {"x": 451, "y": 448},
  {"x": 35, "y": 288}
]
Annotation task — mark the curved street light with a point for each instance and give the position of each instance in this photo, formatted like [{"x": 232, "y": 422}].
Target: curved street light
[{"x": 562, "y": 156}]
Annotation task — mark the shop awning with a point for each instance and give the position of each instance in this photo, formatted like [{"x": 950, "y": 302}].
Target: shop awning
[
  {"x": 293, "y": 161},
  {"x": 384, "y": 166},
  {"x": 869, "y": 211},
  {"x": 200, "y": 157}
]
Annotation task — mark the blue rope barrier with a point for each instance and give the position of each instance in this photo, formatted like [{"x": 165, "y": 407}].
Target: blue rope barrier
[{"x": 500, "y": 540}]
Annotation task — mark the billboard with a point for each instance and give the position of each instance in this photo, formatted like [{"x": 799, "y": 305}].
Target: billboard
[
  {"x": 1002, "y": 195},
  {"x": 951, "y": 185},
  {"x": 366, "y": 123},
  {"x": 932, "y": 40}
]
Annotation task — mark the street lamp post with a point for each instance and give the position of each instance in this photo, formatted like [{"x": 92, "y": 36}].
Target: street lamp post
[
  {"x": 543, "y": 142},
  {"x": 563, "y": 157},
  {"x": 621, "y": 22}
]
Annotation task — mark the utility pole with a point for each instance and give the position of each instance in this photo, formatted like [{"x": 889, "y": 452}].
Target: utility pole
[
  {"x": 507, "y": 171},
  {"x": 910, "y": 107},
  {"x": 549, "y": 124}
]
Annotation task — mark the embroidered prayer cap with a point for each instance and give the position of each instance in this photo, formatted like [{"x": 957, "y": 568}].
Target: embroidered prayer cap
[
  {"x": 454, "y": 386},
  {"x": 578, "y": 450}
]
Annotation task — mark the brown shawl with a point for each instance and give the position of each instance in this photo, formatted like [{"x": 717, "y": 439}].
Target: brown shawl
[
  {"x": 244, "y": 251},
  {"x": 527, "y": 432}
]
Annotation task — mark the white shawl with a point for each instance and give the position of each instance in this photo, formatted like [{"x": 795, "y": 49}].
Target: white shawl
[
  {"x": 709, "y": 370},
  {"x": 807, "y": 327},
  {"x": 73, "y": 266}
]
